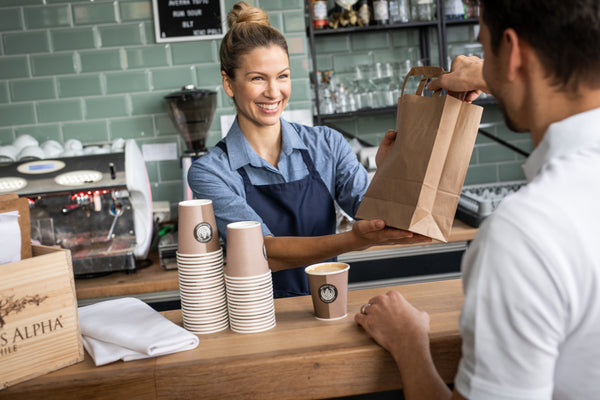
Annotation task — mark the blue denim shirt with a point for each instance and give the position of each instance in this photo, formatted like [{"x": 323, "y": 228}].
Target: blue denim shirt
[{"x": 214, "y": 176}]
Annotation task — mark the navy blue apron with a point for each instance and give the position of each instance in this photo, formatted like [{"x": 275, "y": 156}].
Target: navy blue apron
[{"x": 299, "y": 208}]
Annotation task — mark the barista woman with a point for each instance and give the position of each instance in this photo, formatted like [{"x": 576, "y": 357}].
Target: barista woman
[{"x": 283, "y": 174}]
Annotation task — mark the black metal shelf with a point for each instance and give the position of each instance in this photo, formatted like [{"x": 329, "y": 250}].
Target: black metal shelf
[
  {"x": 358, "y": 113},
  {"x": 373, "y": 28},
  {"x": 384, "y": 110},
  {"x": 467, "y": 21}
]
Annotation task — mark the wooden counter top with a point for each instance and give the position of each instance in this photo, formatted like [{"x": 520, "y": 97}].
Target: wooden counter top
[
  {"x": 300, "y": 358},
  {"x": 156, "y": 279}
]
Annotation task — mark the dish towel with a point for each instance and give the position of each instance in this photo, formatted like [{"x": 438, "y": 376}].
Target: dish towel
[{"x": 129, "y": 329}]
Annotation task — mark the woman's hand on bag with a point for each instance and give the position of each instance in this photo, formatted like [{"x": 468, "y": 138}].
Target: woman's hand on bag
[
  {"x": 385, "y": 146},
  {"x": 465, "y": 77},
  {"x": 374, "y": 232}
]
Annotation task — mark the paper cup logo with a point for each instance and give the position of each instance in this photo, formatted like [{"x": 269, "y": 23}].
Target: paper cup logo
[
  {"x": 328, "y": 293},
  {"x": 203, "y": 232}
]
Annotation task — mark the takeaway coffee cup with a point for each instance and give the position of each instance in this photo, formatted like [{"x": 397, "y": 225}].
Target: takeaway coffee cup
[
  {"x": 197, "y": 227},
  {"x": 328, "y": 283},
  {"x": 246, "y": 256}
]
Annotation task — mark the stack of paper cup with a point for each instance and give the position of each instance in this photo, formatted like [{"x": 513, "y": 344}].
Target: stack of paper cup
[
  {"x": 200, "y": 269},
  {"x": 248, "y": 279}
]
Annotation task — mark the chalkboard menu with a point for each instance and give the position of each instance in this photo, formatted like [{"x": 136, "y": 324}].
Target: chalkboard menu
[{"x": 181, "y": 20}]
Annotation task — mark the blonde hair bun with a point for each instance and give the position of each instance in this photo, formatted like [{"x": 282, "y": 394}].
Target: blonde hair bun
[{"x": 242, "y": 13}]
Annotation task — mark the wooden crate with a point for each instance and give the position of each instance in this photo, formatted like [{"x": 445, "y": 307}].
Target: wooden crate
[{"x": 39, "y": 327}]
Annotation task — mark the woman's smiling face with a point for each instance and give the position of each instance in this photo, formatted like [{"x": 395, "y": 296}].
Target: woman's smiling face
[{"x": 261, "y": 87}]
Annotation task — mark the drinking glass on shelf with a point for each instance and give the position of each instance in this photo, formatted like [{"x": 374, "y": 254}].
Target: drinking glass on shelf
[{"x": 422, "y": 10}]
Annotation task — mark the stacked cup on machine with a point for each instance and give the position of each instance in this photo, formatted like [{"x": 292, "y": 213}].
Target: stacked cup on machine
[
  {"x": 200, "y": 269},
  {"x": 248, "y": 279}
]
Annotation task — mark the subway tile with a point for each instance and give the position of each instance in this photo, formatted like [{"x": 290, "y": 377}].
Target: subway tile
[
  {"x": 164, "y": 125},
  {"x": 149, "y": 33},
  {"x": 325, "y": 62},
  {"x": 276, "y": 21},
  {"x": 124, "y": 82},
  {"x": 406, "y": 37},
  {"x": 87, "y": 131},
  {"x": 172, "y": 78},
  {"x": 297, "y": 44},
  {"x": 131, "y": 128},
  {"x": 201, "y": 51},
  {"x": 11, "y": 20},
  {"x": 145, "y": 57},
  {"x": 461, "y": 33},
  {"x": 100, "y": 60},
  {"x": 14, "y": 67},
  {"x": 511, "y": 171},
  {"x": 94, "y": 13},
  {"x": 79, "y": 85},
  {"x": 40, "y": 132},
  {"x": 7, "y": 136},
  {"x": 53, "y": 64},
  {"x": 208, "y": 75},
  {"x": 370, "y": 41},
  {"x": 167, "y": 191},
  {"x": 479, "y": 174},
  {"x": 106, "y": 107},
  {"x": 135, "y": 10},
  {"x": 332, "y": 44},
  {"x": 120, "y": 35},
  {"x": 300, "y": 90},
  {"x": 494, "y": 153},
  {"x": 4, "y": 92},
  {"x": 7, "y": 3},
  {"x": 346, "y": 62},
  {"x": 148, "y": 103},
  {"x": 32, "y": 89},
  {"x": 61, "y": 110},
  {"x": 170, "y": 170},
  {"x": 26, "y": 42},
  {"x": 72, "y": 39},
  {"x": 47, "y": 16},
  {"x": 17, "y": 114},
  {"x": 293, "y": 21},
  {"x": 299, "y": 67},
  {"x": 278, "y": 5}
]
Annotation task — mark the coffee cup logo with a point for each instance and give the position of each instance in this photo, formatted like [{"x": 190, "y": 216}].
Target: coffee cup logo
[
  {"x": 328, "y": 293},
  {"x": 203, "y": 232}
]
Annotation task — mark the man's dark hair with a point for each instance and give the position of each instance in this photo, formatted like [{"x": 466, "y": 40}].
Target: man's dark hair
[{"x": 564, "y": 33}]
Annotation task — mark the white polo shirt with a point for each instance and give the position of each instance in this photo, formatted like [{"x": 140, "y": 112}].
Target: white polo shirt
[{"x": 531, "y": 320}]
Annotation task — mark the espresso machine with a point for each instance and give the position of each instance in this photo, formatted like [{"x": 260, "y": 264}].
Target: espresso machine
[
  {"x": 99, "y": 206},
  {"x": 192, "y": 111}
]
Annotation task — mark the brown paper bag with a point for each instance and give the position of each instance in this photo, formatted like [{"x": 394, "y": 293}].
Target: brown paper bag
[{"x": 418, "y": 185}]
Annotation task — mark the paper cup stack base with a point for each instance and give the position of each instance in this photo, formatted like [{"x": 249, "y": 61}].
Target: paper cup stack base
[
  {"x": 250, "y": 303},
  {"x": 202, "y": 292}
]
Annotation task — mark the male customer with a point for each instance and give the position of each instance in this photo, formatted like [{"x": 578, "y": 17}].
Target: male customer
[{"x": 531, "y": 320}]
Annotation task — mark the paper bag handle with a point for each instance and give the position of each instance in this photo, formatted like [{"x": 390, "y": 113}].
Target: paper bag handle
[{"x": 427, "y": 72}]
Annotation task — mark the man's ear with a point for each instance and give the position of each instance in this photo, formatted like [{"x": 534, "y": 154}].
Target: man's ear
[
  {"x": 513, "y": 51},
  {"x": 227, "y": 84}
]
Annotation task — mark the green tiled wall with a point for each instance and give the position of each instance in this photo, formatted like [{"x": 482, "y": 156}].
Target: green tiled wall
[{"x": 91, "y": 70}]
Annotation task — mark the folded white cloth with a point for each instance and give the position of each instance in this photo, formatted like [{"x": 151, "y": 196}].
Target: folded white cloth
[
  {"x": 10, "y": 237},
  {"x": 129, "y": 329}
]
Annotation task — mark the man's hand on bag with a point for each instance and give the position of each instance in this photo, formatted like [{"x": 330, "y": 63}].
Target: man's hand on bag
[{"x": 465, "y": 78}]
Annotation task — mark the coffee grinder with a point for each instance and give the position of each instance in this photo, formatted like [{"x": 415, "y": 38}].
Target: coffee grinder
[{"x": 191, "y": 111}]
